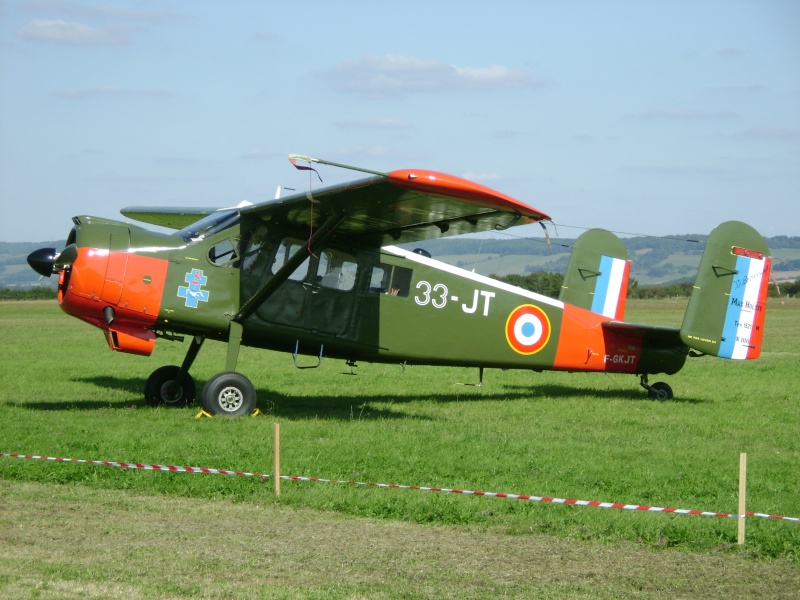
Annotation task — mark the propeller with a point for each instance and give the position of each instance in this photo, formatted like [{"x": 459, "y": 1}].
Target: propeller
[{"x": 47, "y": 261}]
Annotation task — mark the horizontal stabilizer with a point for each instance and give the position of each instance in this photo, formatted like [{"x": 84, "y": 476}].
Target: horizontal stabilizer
[
  {"x": 725, "y": 316},
  {"x": 172, "y": 218}
]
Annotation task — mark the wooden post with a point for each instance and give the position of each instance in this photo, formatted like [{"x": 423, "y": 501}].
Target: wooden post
[
  {"x": 742, "y": 494},
  {"x": 277, "y": 475}
]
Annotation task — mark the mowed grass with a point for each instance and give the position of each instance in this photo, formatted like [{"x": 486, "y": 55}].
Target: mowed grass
[{"x": 579, "y": 436}]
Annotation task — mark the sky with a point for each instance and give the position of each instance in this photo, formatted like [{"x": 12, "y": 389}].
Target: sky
[{"x": 658, "y": 117}]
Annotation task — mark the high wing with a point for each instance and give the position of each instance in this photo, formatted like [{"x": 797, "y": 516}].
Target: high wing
[
  {"x": 385, "y": 208},
  {"x": 398, "y": 207}
]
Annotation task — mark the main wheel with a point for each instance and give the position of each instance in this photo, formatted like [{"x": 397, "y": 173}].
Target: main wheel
[
  {"x": 161, "y": 388},
  {"x": 229, "y": 393},
  {"x": 660, "y": 391}
]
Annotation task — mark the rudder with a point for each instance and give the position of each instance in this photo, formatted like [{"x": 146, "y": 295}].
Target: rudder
[{"x": 725, "y": 315}]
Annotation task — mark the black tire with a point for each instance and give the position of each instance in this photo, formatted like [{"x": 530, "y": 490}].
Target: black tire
[
  {"x": 660, "y": 391},
  {"x": 162, "y": 389},
  {"x": 229, "y": 393}
]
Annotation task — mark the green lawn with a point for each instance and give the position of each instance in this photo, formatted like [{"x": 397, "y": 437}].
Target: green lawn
[{"x": 587, "y": 437}]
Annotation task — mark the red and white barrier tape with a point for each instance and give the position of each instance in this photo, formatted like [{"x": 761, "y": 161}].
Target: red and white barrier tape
[
  {"x": 639, "y": 507},
  {"x": 678, "y": 511},
  {"x": 122, "y": 465}
]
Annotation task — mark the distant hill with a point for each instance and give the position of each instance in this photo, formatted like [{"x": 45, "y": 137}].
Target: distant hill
[
  {"x": 656, "y": 260},
  {"x": 14, "y": 269}
]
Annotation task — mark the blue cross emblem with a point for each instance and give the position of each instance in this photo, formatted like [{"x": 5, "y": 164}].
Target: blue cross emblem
[{"x": 193, "y": 293}]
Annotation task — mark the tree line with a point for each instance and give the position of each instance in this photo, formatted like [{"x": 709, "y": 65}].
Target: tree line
[{"x": 549, "y": 284}]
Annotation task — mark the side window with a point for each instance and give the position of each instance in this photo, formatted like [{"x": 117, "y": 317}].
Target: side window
[
  {"x": 380, "y": 278},
  {"x": 288, "y": 249},
  {"x": 394, "y": 281},
  {"x": 401, "y": 281},
  {"x": 336, "y": 270},
  {"x": 224, "y": 253}
]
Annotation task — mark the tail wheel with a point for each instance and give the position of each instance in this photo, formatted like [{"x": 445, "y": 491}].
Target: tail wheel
[
  {"x": 229, "y": 393},
  {"x": 660, "y": 391},
  {"x": 161, "y": 388}
]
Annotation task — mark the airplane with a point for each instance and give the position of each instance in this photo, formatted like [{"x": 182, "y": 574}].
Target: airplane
[{"x": 322, "y": 273}]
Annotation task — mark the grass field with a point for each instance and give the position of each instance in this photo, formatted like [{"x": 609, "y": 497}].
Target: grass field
[{"x": 589, "y": 437}]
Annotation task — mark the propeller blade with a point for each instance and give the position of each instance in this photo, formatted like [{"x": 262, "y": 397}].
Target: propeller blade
[{"x": 66, "y": 258}]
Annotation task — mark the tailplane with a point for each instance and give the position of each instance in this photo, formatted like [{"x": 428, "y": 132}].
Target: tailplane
[
  {"x": 597, "y": 274},
  {"x": 725, "y": 315}
]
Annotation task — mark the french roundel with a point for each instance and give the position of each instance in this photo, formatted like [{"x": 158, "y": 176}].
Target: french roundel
[{"x": 527, "y": 329}]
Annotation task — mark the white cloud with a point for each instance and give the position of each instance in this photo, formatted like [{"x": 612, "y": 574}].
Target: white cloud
[
  {"x": 71, "y": 33},
  {"x": 82, "y": 11},
  {"x": 394, "y": 76}
]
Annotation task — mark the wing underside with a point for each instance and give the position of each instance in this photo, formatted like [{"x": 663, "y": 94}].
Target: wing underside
[{"x": 399, "y": 207}]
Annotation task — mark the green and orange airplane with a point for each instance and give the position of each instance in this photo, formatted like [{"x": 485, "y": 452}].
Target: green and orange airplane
[{"x": 319, "y": 273}]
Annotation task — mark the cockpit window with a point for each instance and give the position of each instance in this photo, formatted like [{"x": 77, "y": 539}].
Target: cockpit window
[
  {"x": 210, "y": 225},
  {"x": 287, "y": 250},
  {"x": 225, "y": 252}
]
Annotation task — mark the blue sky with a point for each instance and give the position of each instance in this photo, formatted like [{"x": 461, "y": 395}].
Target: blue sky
[{"x": 642, "y": 117}]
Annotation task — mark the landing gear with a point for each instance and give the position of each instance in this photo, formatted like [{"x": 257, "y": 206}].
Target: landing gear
[
  {"x": 658, "y": 391},
  {"x": 171, "y": 385},
  {"x": 164, "y": 387},
  {"x": 229, "y": 393}
]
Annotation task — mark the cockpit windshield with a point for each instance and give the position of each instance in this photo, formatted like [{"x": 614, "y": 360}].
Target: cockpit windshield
[{"x": 210, "y": 225}]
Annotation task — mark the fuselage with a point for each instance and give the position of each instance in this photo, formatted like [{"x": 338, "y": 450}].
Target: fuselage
[{"x": 345, "y": 300}]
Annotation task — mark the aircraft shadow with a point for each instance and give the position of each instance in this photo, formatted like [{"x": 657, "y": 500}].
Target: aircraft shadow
[
  {"x": 351, "y": 406},
  {"x": 558, "y": 391},
  {"x": 129, "y": 384},
  {"x": 342, "y": 407}
]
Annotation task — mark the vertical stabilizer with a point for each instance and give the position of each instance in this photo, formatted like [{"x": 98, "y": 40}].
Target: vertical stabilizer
[
  {"x": 725, "y": 316},
  {"x": 597, "y": 274}
]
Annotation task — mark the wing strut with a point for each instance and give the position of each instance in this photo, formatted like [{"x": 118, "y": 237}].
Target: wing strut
[{"x": 266, "y": 290}]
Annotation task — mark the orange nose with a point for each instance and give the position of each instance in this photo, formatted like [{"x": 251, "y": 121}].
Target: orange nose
[{"x": 118, "y": 292}]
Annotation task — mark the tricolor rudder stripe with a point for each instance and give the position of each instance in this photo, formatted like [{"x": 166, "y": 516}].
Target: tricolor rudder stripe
[
  {"x": 725, "y": 314},
  {"x": 744, "y": 319},
  {"x": 611, "y": 288}
]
